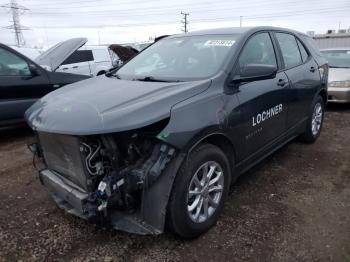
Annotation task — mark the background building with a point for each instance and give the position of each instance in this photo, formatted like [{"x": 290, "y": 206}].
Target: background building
[{"x": 332, "y": 38}]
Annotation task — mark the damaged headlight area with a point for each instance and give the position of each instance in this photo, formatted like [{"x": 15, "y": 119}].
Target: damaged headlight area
[{"x": 103, "y": 177}]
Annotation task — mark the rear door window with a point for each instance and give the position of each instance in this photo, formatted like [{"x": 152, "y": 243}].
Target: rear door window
[
  {"x": 303, "y": 52},
  {"x": 289, "y": 48},
  {"x": 79, "y": 56}
]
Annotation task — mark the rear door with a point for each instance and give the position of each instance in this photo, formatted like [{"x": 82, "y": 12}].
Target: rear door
[
  {"x": 262, "y": 103},
  {"x": 19, "y": 86},
  {"x": 102, "y": 61},
  {"x": 303, "y": 74}
]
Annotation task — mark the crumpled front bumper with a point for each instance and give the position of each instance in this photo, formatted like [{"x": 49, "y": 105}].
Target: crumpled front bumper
[
  {"x": 75, "y": 201},
  {"x": 149, "y": 219},
  {"x": 68, "y": 197}
]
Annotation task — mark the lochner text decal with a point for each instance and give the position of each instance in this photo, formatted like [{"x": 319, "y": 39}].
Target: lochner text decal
[{"x": 261, "y": 117}]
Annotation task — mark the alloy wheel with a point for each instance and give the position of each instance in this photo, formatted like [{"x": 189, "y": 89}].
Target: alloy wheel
[
  {"x": 317, "y": 117},
  {"x": 205, "y": 191}
]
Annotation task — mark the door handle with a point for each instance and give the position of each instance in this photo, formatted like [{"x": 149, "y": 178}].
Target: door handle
[
  {"x": 312, "y": 69},
  {"x": 65, "y": 68},
  {"x": 281, "y": 82},
  {"x": 75, "y": 66}
]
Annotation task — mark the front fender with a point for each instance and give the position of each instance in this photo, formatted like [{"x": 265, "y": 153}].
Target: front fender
[{"x": 207, "y": 113}]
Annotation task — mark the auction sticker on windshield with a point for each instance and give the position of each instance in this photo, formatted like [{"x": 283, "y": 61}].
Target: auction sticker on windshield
[{"x": 219, "y": 43}]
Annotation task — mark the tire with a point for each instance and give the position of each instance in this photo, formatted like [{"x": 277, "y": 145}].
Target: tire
[
  {"x": 317, "y": 114},
  {"x": 183, "y": 222}
]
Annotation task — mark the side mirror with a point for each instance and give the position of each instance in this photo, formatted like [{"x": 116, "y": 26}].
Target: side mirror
[
  {"x": 34, "y": 69},
  {"x": 255, "y": 72}
]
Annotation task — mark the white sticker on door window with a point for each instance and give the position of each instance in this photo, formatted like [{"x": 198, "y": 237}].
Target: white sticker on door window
[{"x": 219, "y": 42}]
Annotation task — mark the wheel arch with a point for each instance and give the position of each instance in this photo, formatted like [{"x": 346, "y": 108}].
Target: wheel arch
[
  {"x": 101, "y": 72},
  {"x": 225, "y": 144},
  {"x": 324, "y": 95}
]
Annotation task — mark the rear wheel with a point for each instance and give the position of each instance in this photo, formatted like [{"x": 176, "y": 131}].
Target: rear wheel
[
  {"x": 315, "y": 122},
  {"x": 199, "y": 192}
]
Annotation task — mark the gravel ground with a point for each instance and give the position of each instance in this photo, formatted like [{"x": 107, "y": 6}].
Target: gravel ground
[{"x": 294, "y": 206}]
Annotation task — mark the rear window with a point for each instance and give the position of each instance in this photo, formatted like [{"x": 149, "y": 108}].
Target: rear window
[
  {"x": 311, "y": 44},
  {"x": 338, "y": 58},
  {"x": 79, "y": 56},
  {"x": 303, "y": 52}
]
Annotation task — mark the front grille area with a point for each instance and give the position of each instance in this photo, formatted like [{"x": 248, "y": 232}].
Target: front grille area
[{"x": 62, "y": 155}]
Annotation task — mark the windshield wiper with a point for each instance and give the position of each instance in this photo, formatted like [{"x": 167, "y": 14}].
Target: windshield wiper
[
  {"x": 339, "y": 67},
  {"x": 151, "y": 79},
  {"x": 112, "y": 74}
]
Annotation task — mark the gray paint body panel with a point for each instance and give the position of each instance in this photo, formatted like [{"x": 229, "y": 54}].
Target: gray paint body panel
[
  {"x": 107, "y": 105},
  {"x": 195, "y": 109},
  {"x": 56, "y": 55}
]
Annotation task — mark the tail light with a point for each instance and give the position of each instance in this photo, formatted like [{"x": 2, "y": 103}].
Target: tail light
[{"x": 323, "y": 70}]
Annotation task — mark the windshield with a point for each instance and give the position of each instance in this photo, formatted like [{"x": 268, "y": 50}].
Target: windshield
[
  {"x": 338, "y": 58},
  {"x": 180, "y": 58}
]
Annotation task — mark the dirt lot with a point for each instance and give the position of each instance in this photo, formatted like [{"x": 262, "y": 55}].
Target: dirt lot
[{"x": 295, "y": 206}]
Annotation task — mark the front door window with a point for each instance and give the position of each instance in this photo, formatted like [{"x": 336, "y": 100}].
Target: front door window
[{"x": 12, "y": 65}]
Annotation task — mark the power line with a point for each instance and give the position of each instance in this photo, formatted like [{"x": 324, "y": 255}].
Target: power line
[
  {"x": 325, "y": 12},
  {"x": 143, "y": 12},
  {"x": 185, "y": 22},
  {"x": 132, "y": 8},
  {"x": 16, "y": 23},
  {"x": 157, "y": 4},
  {"x": 328, "y": 11}
]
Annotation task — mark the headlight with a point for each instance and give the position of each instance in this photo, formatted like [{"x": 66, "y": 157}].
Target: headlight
[{"x": 339, "y": 83}]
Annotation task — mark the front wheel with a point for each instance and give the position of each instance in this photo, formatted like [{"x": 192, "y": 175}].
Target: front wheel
[
  {"x": 199, "y": 192},
  {"x": 315, "y": 122}
]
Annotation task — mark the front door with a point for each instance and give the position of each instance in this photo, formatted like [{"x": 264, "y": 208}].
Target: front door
[
  {"x": 263, "y": 104},
  {"x": 19, "y": 87}
]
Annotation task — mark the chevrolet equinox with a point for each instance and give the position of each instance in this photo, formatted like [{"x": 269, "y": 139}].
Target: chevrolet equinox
[{"x": 156, "y": 143}]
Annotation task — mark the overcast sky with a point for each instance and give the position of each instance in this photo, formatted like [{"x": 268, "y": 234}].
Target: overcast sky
[{"x": 124, "y": 21}]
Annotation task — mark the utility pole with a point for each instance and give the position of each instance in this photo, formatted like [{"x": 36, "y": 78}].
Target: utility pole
[
  {"x": 185, "y": 22},
  {"x": 16, "y": 10},
  {"x": 240, "y": 21}
]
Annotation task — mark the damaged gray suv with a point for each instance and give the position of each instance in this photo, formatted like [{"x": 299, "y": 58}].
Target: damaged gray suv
[{"x": 156, "y": 143}]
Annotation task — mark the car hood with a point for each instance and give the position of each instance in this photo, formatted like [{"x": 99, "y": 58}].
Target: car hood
[
  {"x": 105, "y": 105},
  {"x": 57, "y": 54},
  {"x": 338, "y": 74},
  {"x": 125, "y": 53}
]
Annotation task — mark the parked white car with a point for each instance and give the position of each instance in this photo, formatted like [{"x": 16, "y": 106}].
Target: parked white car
[{"x": 88, "y": 60}]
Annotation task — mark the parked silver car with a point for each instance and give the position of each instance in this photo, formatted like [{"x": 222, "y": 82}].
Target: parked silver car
[{"x": 339, "y": 74}]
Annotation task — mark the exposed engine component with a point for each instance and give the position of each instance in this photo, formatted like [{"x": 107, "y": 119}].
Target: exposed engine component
[
  {"x": 122, "y": 167},
  {"x": 94, "y": 165}
]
